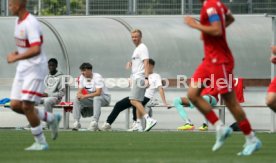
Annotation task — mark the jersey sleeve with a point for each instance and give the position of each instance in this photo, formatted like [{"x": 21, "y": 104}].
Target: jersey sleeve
[
  {"x": 212, "y": 13},
  {"x": 33, "y": 33},
  {"x": 144, "y": 53}
]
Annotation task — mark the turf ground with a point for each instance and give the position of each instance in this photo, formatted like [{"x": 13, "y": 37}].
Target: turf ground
[{"x": 120, "y": 147}]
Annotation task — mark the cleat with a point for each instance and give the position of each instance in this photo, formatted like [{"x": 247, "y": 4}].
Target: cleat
[
  {"x": 250, "y": 147},
  {"x": 222, "y": 134},
  {"x": 187, "y": 126},
  {"x": 37, "y": 147},
  {"x": 55, "y": 125},
  {"x": 204, "y": 127},
  {"x": 106, "y": 127},
  {"x": 150, "y": 123},
  {"x": 93, "y": 126},
  {"x": 136, "y": 127}
]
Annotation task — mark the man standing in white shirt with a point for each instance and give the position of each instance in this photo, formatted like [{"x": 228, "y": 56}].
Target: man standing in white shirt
[
  {"x": 139, "y": 78},
  {"x": 91, "y": 96},
  {"x": 28, "y": 84},
  {"x": 155, "y": 83}
]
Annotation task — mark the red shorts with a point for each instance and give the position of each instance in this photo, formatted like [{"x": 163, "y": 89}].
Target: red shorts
[
  {"x": 272, "y": 86},
  {"x": 219, "y": 77}
]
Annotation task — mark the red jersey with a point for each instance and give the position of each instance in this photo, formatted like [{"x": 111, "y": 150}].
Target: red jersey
[{"x": 216, "y": 49}]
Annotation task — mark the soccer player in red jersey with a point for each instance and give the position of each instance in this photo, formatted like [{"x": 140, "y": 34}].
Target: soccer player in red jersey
[
  {"x": 217, "y": 67},
  {"x": 271, "y": 95}
]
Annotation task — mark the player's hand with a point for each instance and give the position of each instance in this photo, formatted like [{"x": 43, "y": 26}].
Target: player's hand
[
  {"x": 80, "y": 96},
  {"x": 190, "y": 21},
  {"x": 128, "y": 65},
  {"x": 273, "y": 49},
  {"x": 273, "y": 59},
  {"x": 12, "y": 57}
]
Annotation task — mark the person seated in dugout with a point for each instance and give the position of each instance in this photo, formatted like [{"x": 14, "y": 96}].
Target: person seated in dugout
[{"x": 92, "y": 94}]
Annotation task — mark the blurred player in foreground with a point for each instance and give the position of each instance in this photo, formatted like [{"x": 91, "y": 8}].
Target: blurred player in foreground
[
  {"x": 28, "y": 84},
  {"x": 218, "y": 64}
]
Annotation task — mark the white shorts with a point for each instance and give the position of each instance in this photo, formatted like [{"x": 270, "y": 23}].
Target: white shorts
[{"x": 29, "y": 87}]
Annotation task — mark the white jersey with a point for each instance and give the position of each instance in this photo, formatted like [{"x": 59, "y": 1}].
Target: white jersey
[
  {"x": 28, "y": 33},
  {"x": 91, "y": 85},
  {"x": 154, "y": 82},
  {"x": 139, "y": 55}
]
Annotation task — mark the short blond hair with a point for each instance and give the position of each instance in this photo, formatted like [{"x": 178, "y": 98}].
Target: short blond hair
[{"x": 137, "y": 31}]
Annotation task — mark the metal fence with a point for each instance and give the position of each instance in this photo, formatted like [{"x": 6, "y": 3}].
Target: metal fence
[{"x": 137, "y": 7}]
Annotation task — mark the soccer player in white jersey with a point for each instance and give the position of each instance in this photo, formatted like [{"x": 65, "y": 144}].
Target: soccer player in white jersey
[
  {"x": 28, "y": 85},
  {"x": 139, "y": 78}
]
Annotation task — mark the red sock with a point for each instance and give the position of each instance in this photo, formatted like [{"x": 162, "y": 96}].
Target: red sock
[
  {"x": 211, "y": 117},
  {"x": 245, "y": 126}
]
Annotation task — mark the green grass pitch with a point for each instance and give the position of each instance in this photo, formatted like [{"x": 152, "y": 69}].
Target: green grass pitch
[{"x": 120, "y": 147}]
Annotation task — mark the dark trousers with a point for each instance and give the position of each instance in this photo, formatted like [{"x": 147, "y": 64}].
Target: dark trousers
[{"x": 122, "y": 105}]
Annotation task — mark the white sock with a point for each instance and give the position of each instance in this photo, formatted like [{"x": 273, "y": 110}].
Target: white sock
[
  {"x": 250, "y": 137},
  {"x": 38, "y": 134},
  {"x": 146, "y": 116},
  {"x": 218, "y": 125},
  {"x": 45, "y": 116}
]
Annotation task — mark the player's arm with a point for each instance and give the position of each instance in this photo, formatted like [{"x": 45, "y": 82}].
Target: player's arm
[
  {"x": 146, "y": 64},
  {"x": 214, "y": 29},
  {"x": 162, "y": 95},
  {"x": 229, "y": 19},
  {"x": 273, "y": 56},
  {"x": 273, "y": 49},
  {"x": 31, "y": 52},
  {"x": 98, "y": 92}
]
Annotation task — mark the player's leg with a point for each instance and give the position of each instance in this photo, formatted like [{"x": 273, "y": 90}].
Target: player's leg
[
  {"x": 213, "y": 102},
  {"x": 136, "y": 97},
  {"x": 252, "y": 142},
  {"x": 78, "y": 111},
  {"x": 36, "y": 128},
  {"x": 16, "y": 106},
  {"x": 140, "y": 112},
  {"x": 98, "y": 102},
  {"x": 118, "y": 107},
  {"x": 204, "y": 72},
  {"x": 271, "y": 95},
  {"x": 49, "y": 102},
  {"x": 16, "y": 103},
  {"x": 178, "y": 103},
  {"x": 137, "y": 124}
]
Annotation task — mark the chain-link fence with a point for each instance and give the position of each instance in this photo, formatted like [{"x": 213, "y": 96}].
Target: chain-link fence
[{"x": 138, "y": 7}]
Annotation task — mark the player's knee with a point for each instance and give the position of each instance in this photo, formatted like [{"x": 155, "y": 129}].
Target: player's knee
[
  {"x": 133, "y": 102},
  {"x": 15, "y": 106},
  {"x": 28, "y": 107}
]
